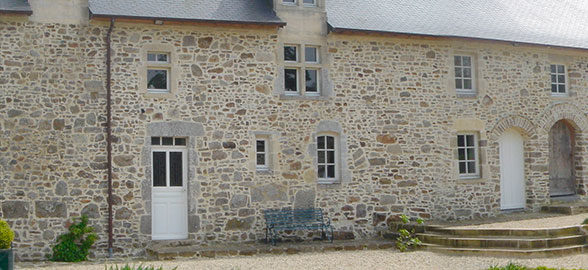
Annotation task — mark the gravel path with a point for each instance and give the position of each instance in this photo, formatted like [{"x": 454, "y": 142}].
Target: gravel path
[
  {"x": 372, "y": 259},
  {"x": 541, "y": 223}
]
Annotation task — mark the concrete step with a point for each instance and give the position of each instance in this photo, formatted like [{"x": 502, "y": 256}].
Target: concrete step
[
  {"x": 568, "y": 209},
  {"x": 501, "y": 241},
  {"x": 507, "y": 252},
  {"x": 479, "y": 232}
]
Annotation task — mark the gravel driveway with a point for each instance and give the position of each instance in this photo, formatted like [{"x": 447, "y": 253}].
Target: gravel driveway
[{"x": 369, "y": 259}]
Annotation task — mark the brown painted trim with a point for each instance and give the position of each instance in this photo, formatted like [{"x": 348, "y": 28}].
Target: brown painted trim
[
  {"x": 109, "y": 134},
  {"x": 178, "y": 21},
  {"x": 16, "y": 12},
  {"x": 362, "y": 32}
]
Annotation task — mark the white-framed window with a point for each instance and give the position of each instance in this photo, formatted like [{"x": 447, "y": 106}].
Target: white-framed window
[
  {"x": 327, "y": 160},
  {"x": 289, "y": 2},
  {"x": 261, "y": 154},
  {"x": 302, "y": 70},
  {"x": 158, "y": 72},
  {"x": 467, "y": 152},
  {"x": 464, "y": 74},
  {"x": 168, "y": 162},
  {"x": 309, "y": 2},
  {"x": 558, "y": 80}
]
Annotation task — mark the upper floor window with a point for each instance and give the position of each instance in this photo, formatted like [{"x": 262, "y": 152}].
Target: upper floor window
[
  {"x": 302, "y": 68},
  {"x": 467, "y": 152},
  {"x": 464, "y": 70},
  {"x": 326, "y": 159},
  {"x": 558, "y": 80},
  {"x": 289, "y": 2},
  {"x": 158, "y": 72}
]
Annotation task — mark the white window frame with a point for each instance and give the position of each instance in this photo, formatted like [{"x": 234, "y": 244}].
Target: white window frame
[
  {"x": 337, "y": 163},
  {"x": 565, "y": 84},
  {"x": 301, "y": 65},
  {"x": 289, "y": 3},
  {"x": 473, "y": 74},
  {"x": 313, "y": 4},
  {"x": 265, "y": 153},
  {"x": 159, "y": 65},
  {"x": 476, "y": 173}
]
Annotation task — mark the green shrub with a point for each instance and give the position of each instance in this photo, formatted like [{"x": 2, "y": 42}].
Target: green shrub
[
  {"x": 74, "y": 245},
  {"x": 139, "y": 267},
  {"x": 6, "y": 235},
  {"x": 406, "y": 238},
  {"x": 512, "y": 266},
  {"x": 585, "y": 221}
]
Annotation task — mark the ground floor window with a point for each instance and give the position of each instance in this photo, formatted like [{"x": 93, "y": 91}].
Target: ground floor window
[
  {"x": 326, "y": 158},
  {"x": 467, "y": 152}
]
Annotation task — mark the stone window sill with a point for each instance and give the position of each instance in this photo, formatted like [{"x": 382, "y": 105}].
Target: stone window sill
[
  {"x": 471, "y": 180},
  {"x": 158, "y": 95},
  {"x": 301, "y": 97},
  {"x": 264, "y": 171},
  {"x": 467, "y": 95}
]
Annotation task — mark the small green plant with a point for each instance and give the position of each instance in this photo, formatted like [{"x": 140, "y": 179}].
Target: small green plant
[
  {"x": 513, "y": 266},
  {"x": 6, "y": 235},
  {"x": 138, "y": 267},
  {"x": 74, "y": 245},
  {"x": 407, "y": 238},
  {"x": 585, "y": 221}
]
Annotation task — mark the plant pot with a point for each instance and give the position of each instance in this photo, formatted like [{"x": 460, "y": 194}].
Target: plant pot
[{"x": 6, "y": 259}]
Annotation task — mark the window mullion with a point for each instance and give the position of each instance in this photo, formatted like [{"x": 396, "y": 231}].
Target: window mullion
[{"x": 167, "y": 168}]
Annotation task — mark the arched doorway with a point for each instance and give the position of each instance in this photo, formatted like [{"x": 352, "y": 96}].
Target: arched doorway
[
  {"x": 512, "y": 170},
  {"x": 562, "y": 180}
]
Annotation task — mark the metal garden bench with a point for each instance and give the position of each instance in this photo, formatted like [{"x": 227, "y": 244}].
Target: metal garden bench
[{"x": 296, "y": 219}]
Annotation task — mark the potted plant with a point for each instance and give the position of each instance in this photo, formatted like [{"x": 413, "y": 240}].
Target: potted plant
[{"x": 6, "y": 254}]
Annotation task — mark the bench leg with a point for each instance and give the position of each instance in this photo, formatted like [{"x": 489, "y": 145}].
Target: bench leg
[
  {"x": 266, "y": 239},
  {"x": 331, "y": 234}
]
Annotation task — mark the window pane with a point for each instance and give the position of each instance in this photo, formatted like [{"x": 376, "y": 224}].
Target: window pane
[
  {"x": 330, "y": 142},
  {"x": 159, "y": 169},
  {"x": 470, "y": 140},
  {"x": 457, "y": 60},
  {"x": 458, "y": 72},
  {"x": 331, "y": 171},
  {"x": 261, "y": 159},
  {"x": 331, "y": 157},
  {"x": 553, "y": 78},
  {"x": 467, "y": 61},
  {"x": 467, "y": 72},
  {"x": 560, "y": 69},
  {"x": 562, "y": 88},
  {"x": 289, "y": 1},
  {"x": 311, "y": 2},
  {"x": 460, "y": 140},
  {"x": 162, "y": 57},
  {"x": 290, "y": 53},
  {"x": 321, "y": 156},
  {"x": 471, "y": 155},
  {"x": 290, "y": 80},
  {"x": 553, "y": 69},
  {"x": 554, "y": 88},
  {"x": 176, "y": 172},
  {"x": 321, "y": 171},
  {"x": 467, "y": 84},
  {"x": 167, "y": 141},
  {"x": 157, "y": 79},
  {"x": 310, "y": 54},
  {"x": 461, "y": 154},
  {"x": 321, "y": 142},
  {"x": 458, "y": 84},
  {"x": 151, "y": 57},
  {"x": 260, "y": 146},
  {"x": 561, "y": 78},
  {"x": 471, "y": 167},
  {"x": 311, "y": 81},
  {"x": 462, "y": 167},
  {"x": 155, "y": 140},
  {"x": 180, "y": 141}
]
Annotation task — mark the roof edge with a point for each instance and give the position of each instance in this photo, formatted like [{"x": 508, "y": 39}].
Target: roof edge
[
  {"x": 342, "y": 30},
  {"x": 276, "y": 24},
  {"x": 17, "y": 12}
]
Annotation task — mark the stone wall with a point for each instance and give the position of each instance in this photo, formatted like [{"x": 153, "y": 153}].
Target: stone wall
[{"x": 393, "y": 106}]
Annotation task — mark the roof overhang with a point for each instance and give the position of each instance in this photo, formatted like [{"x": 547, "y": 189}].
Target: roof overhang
[
  {"x": 177, "y": 21},
  {"x": 16, "y": 12}
]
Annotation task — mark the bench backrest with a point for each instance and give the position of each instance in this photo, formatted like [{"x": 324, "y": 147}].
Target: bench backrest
[{"x": 293, "y": 217}]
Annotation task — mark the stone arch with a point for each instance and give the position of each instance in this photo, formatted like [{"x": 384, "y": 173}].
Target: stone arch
[
  {"x": 564, "y": 111},
  {"x": 523, "y": 125}
]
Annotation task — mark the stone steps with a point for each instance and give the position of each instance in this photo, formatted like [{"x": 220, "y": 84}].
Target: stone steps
[
  {"x": 566, "y": 209},
  {"x": 506, "y": 242},
  {"x": 183, "y": 249}
]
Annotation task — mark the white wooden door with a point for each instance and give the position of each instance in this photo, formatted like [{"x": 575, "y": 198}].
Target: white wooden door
[
  {"x": 512, "y": 171},
  {"x": 169, "y": 197}
]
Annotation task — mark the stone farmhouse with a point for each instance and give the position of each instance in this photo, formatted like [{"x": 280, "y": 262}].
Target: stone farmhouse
[{"x": 185, "y": 119}]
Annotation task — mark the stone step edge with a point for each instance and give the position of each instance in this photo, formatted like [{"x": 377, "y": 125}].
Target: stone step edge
[
  {"x": 506, "y": 231},
  {"x": 519, "y": 251},
  {"x": 166, "y": 253},
  {"x": 497, "y": 238}
]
